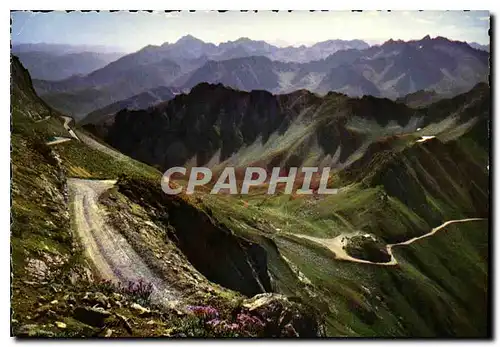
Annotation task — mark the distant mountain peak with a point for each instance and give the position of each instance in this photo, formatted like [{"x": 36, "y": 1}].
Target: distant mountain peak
[
  {"x": 391, "y": 41},
  {"x": 426, "y": 37},
  {"x": 189, "y": 38},
  {"x": 205, "y": 87},
  {"x": 243, "y": 39},
  {"x": 441, "y": 38},
  {"x": 479, "y": 46}
]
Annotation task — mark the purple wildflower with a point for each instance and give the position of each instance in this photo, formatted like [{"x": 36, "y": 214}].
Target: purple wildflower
[
  {"x": 249, "y": 322},
  {"x": 233, "y": 326},
  {"x": 214, "y": 322},
  {"x": 207, "y": 312}
]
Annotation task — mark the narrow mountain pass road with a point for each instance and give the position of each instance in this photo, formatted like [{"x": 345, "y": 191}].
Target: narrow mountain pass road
[
  {"x": 89, "y": 141},
  {"x": 67, "y": 120},
  {"x": 337, "y": 244},
  {"x": 113, "y": 257}
]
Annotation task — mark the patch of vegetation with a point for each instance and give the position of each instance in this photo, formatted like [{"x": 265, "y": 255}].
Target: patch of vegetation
[
  {"x": 82, "y": 161},
  {"x": 367, "y": 248}
]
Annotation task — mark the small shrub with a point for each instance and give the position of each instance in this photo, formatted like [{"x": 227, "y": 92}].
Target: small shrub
[
  {"x": 206, "y": 312},
  {"x": 139, "y": 290},
  {"x": 243, "y": 325}
]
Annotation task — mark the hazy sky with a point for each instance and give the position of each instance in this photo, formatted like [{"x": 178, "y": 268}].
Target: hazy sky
[{"x": 135, "y": 30}]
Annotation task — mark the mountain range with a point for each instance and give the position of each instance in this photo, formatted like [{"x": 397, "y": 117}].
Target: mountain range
[
  {"x": 54, "y": 62},
  {"x": 393, "y": 70},
  {"x": 479, "y": 46}
]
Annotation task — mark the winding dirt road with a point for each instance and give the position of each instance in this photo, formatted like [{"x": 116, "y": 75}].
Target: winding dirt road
[
  {"x": 67, "y": 120},
  {"x": 109, "y": 251},
  {"x": 336, "y": 244},
  {"x": 89, "y": 141}
]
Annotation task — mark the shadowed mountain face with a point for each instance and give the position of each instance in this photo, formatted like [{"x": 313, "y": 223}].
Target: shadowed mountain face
[
  {"x": 215, "y": 125},
  {"x": 136, "y": 102},
  {"x": 392, "y": 70},
  {"x": 420, "y": 98},
  {"x": 189, "y": 48}
]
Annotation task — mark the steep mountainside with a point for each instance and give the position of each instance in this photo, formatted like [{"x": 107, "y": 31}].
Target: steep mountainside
[
  {"x": 245, "y": 47},
  {"x": 189, "y": 48}
]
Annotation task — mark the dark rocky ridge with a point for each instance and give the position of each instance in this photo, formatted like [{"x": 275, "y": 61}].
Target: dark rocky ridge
[
  {"x": 214, "y": 121},
  {"x": 212, "y": 118}
]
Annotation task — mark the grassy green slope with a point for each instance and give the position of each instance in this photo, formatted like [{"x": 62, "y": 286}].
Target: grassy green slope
[
  {"x": 397, "y": 191},
  {"x": 49, "y": 275}
]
